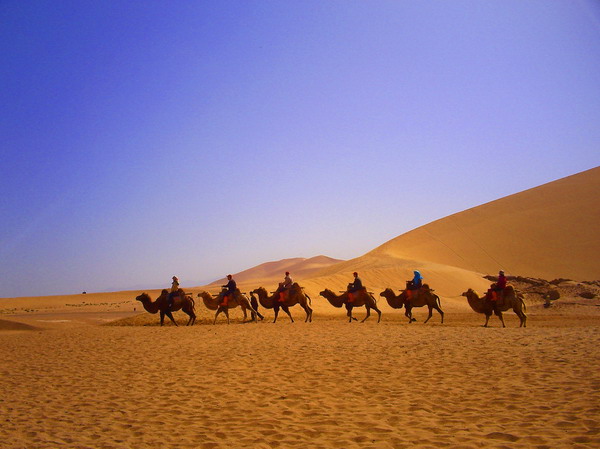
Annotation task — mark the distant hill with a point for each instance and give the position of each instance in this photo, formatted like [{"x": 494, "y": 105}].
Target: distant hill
[{"x": 273, "y": 272}]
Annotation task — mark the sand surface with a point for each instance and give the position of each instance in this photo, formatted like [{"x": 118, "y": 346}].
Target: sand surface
[{"x": 68, "y": 381}]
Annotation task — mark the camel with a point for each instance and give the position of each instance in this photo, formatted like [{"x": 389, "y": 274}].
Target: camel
[
  {"x": 295, "y": 296},
  {"x": 182, "y": 302},
  {"x": 512, "y": 300},
  {"x": 362, "y": 298},
  {"x": 422, "y": 297},
  {"x": 239, "y": 299}
]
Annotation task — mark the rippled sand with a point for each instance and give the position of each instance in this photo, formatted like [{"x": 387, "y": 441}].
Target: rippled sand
[{"x": 326, "y": 384}]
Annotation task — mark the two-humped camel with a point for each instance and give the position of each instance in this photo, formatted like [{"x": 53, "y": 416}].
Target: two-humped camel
[
  {"x": 239, "y": 299},
  {"x": 511, "y": 300},
  {"x": 361, "y": 298},
  {"x": 182, "y": 302},
  {"x": 294, "y": 296},
  {"x": 419, "y": 298}
]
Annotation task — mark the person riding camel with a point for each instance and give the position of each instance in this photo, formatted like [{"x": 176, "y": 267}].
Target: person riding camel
[
  {"x": 228, "y": 294},
  {"x": 494, "y": 294},
  {"x": 174, "y": 292},
  {"x": 414, "y": 285},
  {"x": 353, "y": 287},
  {"x": 284, "y": 286}
]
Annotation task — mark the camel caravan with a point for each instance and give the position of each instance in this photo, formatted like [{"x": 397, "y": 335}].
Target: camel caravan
[{"x": 501, "y": 297}]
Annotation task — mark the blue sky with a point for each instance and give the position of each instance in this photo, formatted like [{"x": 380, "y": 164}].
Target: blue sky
[{"x": 139, "y": 140}]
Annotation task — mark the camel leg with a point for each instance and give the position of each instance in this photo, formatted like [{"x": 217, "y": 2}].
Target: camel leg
[
  {"x": 170, "y": 315},
  {"x": 430, "y": 314},
  {"x": 408, "y": 313},
  {"x": 349, "y": 312},
  {"x": 219, "y": 310},
  {"x": 286, "y": 309},
  {"x": 487, "y": 319},
  {"x": 441, "y": 312},
  {"x": 522, "y": 319},
  {"x": 378, "y": 313},
  {"x": 368, "y": 313},
  {"x": 162, "y": 317},
  {"x": 245, "y": 313},
  {"x": 276, "y": 310},
  {"x": 192, "y": 316},
  {"x": 308, "y": 311},
  {"x": 226, "y": 312},
  {"x": 499, "y": 315}
]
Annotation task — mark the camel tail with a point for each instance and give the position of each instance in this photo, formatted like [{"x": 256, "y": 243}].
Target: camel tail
[
  {"x": 309, "y": 300},
  {"x": 373, "y": 298},
  {"x": 438, "y": 300}
]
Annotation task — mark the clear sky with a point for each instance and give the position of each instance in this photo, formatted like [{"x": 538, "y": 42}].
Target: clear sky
[{"x": 142, "y": 140}]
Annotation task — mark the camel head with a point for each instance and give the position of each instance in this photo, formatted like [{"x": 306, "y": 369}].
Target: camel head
[
  {"x": 326, "y": 293},
  {"x": 144, "y": 297},
  {"x": 470, "y": 293},
  {"x": 259, "y": 291},
  {"x": 387, "y": 293}
]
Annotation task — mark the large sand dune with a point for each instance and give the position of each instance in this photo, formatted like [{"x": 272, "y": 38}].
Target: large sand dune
[{"x": 549, "y": 232}]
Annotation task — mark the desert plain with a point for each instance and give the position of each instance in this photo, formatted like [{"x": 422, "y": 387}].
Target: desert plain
[{"x": 96, "y": 371}]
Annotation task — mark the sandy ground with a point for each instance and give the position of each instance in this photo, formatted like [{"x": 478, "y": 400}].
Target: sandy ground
[{"x": 68, "y": 380}]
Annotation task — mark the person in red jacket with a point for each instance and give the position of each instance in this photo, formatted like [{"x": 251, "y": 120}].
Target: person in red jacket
[{"x": 496, "y": 289}]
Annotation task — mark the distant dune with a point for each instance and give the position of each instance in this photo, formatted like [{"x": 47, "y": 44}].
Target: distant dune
[{"x": 273, "y": 272}]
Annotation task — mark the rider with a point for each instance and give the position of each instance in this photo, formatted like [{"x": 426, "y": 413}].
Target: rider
[
  {"x": 174, "y": 291},
  {"x": 285, "y": 285},
  {"x": 353, "y": 287},
  {"x": 231, "y": 287},
  {"x": 495, "y": 291},
  {"x": 415, "y": 284}
]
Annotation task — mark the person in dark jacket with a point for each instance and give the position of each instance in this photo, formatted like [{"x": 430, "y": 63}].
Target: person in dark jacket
[
  {"x": 353, "y": 287},
  {"x": 231, "y": 287}
]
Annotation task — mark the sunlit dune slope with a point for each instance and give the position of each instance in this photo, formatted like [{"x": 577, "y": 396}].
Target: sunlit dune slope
[
  {"x": 273, "y": 272},
  {"x": 549, "y": 231}
]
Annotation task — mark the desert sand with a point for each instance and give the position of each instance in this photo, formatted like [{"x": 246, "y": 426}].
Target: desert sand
[
  {"x": 114, "y": 379},
  {"x": 96, "y": 371}
]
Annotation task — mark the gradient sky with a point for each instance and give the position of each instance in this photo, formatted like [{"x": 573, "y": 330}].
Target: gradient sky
[{"x": 139, "y": 140}]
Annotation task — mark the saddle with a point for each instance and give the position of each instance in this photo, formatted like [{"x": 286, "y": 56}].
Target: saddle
[
  {"x": 225, "y": 297},
  {"x": 282, "y": 295},
  {"x": 496, "y": 295},
  {"x": 353, "y": 295}
]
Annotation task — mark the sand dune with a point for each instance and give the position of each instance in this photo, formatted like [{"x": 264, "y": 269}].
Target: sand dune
[
  {"x": 273, "y": 272},
  {"x": 549, "y": 232}
]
